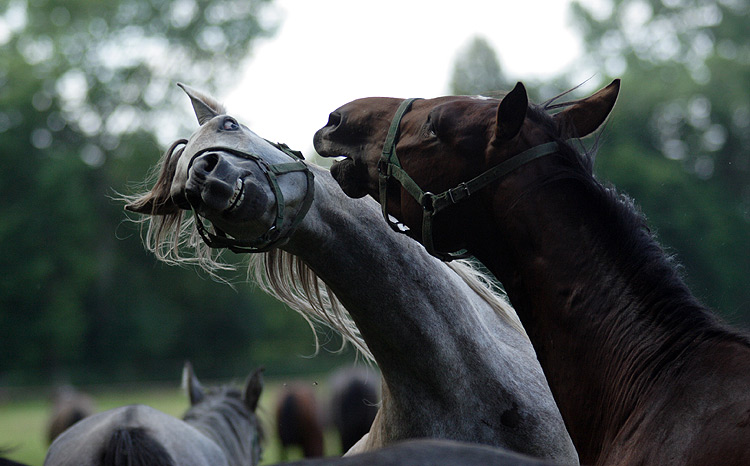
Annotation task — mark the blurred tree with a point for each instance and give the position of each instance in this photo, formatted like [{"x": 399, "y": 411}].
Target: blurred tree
[
  {"x": 695, "y": 57},
  {"x": 477, "y": 71},
  {"x": 86, "y": 87},
  {"x": 679, "y": 139}
]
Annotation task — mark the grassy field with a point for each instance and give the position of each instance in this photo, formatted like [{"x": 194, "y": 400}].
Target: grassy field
[{"x": 24, "y": 415}]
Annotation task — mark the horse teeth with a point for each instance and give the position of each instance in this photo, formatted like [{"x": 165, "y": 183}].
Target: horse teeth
[{"x": 237, "y": 196}]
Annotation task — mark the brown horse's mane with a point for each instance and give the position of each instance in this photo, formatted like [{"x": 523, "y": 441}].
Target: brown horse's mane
[{"x": 634, "y": 247}]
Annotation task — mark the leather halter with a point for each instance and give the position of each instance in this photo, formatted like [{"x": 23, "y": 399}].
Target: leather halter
[
  {"x": 390, "y": 166},
  {"x": 273, "y": 236}
]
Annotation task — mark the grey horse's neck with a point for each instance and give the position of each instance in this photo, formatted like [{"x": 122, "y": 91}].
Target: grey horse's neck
[{"x": 453, "y": 368}]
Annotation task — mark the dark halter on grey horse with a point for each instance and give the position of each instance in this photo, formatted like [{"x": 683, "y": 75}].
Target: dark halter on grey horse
[
  {"x": 390, "y": 166},
  {"x": 273, "y": 237}
]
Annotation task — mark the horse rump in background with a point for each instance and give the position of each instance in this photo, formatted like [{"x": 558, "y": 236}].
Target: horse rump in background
[
  {"x": 353, "y": 403},
  {"x": 69, "y": 406},
  {"x": 298, "y": 422},
  {"x": 219, "y": 429}
]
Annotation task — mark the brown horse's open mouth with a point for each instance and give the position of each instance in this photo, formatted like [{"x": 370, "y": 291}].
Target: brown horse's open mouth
[{"x": 351, "y": 176}]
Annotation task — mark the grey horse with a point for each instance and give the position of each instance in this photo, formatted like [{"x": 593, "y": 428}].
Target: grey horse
[{"x": 219, "y": 429}]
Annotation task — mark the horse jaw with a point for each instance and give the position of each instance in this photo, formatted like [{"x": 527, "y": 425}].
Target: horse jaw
[{"x": 351, "y": 177}]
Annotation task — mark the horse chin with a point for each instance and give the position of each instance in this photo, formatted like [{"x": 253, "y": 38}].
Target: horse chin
[{"x": 351, "y": 177}]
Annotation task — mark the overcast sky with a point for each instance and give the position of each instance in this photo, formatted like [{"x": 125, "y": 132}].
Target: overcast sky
[{"x": 328, "y": 52}]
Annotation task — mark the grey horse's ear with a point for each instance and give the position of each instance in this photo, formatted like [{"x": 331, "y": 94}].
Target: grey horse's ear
[
  {"x": 253, "y": 388},
  {"x": 204, "y": 106},
  {"x": 191, "y": 384}
]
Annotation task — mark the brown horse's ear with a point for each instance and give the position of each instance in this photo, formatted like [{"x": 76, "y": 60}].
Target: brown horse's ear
[
  {"x": 511, "y": 113},
  {"x": 253, "y": 388},
  {"x": 191, "y": 384},
  {"x": 205, "y": 107},
  {"x": 586, "y": 115}
]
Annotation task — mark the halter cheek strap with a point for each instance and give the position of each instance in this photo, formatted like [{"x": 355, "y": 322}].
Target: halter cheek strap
[
  {"x": 273, "y": 236},
  {"x": 390, "y": 166}
]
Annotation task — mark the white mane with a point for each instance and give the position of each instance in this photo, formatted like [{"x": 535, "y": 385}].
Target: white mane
[{"x": 287, "y": 278}]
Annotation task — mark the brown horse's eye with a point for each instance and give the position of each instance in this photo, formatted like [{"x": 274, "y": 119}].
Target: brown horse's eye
[
  {"x": 230, "y": 124},
  {"x": 429, "y": 128}
]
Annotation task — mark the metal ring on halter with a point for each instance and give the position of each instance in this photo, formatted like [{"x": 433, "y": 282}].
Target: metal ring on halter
[{"x": 273, "y": 236}]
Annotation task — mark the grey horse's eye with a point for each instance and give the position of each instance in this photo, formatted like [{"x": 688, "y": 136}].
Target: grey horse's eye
[{"x": 230, "y": 124}]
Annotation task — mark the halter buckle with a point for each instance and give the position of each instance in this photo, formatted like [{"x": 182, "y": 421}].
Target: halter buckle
[{"x": 459, "y": 195}]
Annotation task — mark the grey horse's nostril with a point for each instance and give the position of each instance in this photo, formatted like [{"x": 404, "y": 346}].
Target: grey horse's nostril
[{"x": 207, "y": 162}]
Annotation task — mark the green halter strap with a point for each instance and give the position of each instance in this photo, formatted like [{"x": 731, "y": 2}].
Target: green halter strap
[
  {"x": 273, "y": 236},
  {"x": 390, "y": 166}
]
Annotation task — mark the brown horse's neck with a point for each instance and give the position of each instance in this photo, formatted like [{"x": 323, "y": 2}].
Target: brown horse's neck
[{"x": 603, "y": 306}]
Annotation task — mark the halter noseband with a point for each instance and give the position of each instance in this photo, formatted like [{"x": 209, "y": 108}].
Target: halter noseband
[
  {"x": 390, "y": 166},
  {"x": 273, "y": 236}
]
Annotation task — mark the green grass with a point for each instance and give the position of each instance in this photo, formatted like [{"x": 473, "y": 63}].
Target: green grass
[{"x": 24, "y": 416}]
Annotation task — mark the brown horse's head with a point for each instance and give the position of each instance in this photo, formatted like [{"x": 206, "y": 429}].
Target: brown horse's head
[{"x": 445, "y": 141}]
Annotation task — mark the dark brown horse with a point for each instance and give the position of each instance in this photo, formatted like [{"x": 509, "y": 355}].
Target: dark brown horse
[
  {"x": 298, "y": 420},
  {"x": 641, "y": 371},
  {"x": 353, "y": 403}
]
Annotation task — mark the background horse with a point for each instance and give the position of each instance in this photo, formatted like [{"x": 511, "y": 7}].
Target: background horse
[
  {"x": 220, "y": 428},
  {"x": 298, "y": 420},
  {"x": 69, "y": 406},
  {"x": 353, "y": 403},
  {"x": 454, "y": 360},
  {"x": 643, "y": 373}
]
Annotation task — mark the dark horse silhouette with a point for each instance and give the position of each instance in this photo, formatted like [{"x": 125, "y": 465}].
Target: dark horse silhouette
[
  {"x": 219, "y": 429},
  {"x": 353, "y": 403},
  {"x": 641, "y": 371},
  {"x": 298, "y": 420},
  {"x": 70, "y": 406}
]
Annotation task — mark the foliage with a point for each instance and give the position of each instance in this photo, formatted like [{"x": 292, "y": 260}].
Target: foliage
[
  {"x": 86, "y": 87},
  {"x": 477, "y": 70}
]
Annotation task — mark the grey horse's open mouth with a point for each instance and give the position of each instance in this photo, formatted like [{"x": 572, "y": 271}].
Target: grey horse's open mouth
[{"x": 237, "y": 196}]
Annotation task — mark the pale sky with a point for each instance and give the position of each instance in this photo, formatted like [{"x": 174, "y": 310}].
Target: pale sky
[{"x": 328, "y": 52}]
